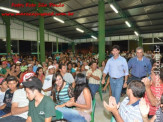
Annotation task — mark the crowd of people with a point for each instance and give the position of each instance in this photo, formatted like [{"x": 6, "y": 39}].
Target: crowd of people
[{"x": 33, "y": 91}]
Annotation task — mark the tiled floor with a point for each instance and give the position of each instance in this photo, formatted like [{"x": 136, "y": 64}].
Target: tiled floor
[{"x": 101, "y": 115}]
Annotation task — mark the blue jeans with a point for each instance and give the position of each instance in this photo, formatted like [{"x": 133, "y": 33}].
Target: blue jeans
[
  {"x": 2, "y": 113},
  {"x": 94, "y": 88},
  {"x": 71, "y": 115},
  {"x": 12, "y": 119},
  {"x": 116, "y": 87}
]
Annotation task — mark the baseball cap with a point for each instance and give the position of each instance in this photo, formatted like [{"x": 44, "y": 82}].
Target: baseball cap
[
  {"x": 18, "y": 62},
  {"x": 33, "y": 82},
  {"x": 27, "y": 76},
  {"x": 50, "y": 67},
  {"x": 1, "y": 80},
  {"x": 29, "y": 65}
]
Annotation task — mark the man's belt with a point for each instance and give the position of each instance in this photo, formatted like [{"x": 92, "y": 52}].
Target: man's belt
[{"x": 138, "y": 77}]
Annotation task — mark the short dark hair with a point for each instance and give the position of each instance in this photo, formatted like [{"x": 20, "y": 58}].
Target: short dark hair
[
  {"x": 32, "y": 88},
  {"x": 11, "y": 78},
  {"x": 116, "y": 47},
  {"x": 137, "y": 87},
  {"x": 61, "y": 65}
]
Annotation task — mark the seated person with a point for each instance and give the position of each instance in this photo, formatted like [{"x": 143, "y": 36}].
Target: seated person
[
  {"x": 19, "y": 108},
  {"x": 41, "y": 108},
  {"x": 144, "y": 109},
  {"x": 47, "y": 86},
  {"x": 94, "y": 77},
  {"x": 3, "y": 89},
  {"x": 154, "y": 90},
  {"x": 82, "y": 101},
  {"x": 5, "y": 109},
  {"x": 129, "y": 108},
  {"x": 3, "y": 71},
  {"x": 62, "y": 91}
]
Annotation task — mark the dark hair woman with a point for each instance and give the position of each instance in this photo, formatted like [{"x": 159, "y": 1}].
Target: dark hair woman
[
  {"x": 61, "y": 91},
  {"x": 82, "y": 101},
  {"x": 40, "y": 74}
]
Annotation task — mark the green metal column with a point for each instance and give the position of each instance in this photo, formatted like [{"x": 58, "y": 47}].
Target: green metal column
[
  {"x": 101, "y": 30},
  {"x": 42, "y": 41},
  {"x": 57, "y": 44},
  {"x": 73, "y": 47},
  {"x": 140, "y": 41},
  {"x": 6, "y": 20},
  {"x": 38, "y": 48}
]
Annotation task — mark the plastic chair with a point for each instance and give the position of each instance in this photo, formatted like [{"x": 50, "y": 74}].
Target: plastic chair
[
  {"x": 112, "y": 119},
  {"x": 93, "y": 109},
  {"x": 100, "y": 91},
  {"x": 59, "y": 115}
]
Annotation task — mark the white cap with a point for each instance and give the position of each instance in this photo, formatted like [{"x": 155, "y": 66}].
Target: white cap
[
  {"x": 50, "y": 67},
  {"x": 27, "y": 76},
  {"x": 18, "y": 62},
  {"x": 29, "y": 65}
]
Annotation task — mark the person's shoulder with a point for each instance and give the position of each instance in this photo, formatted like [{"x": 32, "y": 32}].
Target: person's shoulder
[
  {"x": 146, "y": 59},
  {"x": 47, "y": 99},
  {"x": 19, "y": 91}
]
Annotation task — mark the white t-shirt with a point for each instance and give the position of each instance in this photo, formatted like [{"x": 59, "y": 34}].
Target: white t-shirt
[
  {"x": 68, "y": 78},
  {"x": 2, "y": 95},
  {"x": 47, "y": 84},
  {"x": 21, "y": 98}
]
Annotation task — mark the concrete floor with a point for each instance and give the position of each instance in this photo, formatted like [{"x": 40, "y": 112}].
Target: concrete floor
[{"x": 101, "y": 115}]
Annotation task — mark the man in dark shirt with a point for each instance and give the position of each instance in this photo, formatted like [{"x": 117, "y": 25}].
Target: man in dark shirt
[{"x": 5, "y": 109}]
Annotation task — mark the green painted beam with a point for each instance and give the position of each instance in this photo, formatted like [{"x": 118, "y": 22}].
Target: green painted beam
[
  {"x": 38, "y": 47},
  {"x": 42, "y": 39},
  {"x": 140, "y": 41},
  {"x": 73, "y": 47},
  {"x": 6, "y": 20},
  {"x": 57, "y": 45},
  {"x": 101, "y": 32}
]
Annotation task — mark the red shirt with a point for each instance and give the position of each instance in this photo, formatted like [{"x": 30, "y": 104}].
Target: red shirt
[{"x": 157, "y": 92}]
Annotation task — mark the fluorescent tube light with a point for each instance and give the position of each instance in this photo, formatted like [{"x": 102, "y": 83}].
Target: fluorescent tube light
[
  {"x": 136, "y": 33},
  {"x": 112, "y": 6},
  {"x": 59, "y": 20},
  {"x": 94, "y": 37},
  {"x": 9, "y": 9},
  {"x": 127, "y": 23},
  {"x": 80, "y": 30}
]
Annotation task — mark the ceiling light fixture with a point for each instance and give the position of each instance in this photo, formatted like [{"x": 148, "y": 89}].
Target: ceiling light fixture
[
  {"x": 112, "y": 6},
  {"x": 80, "y": 30},
  {"x": 94, "y": 37},
  {"x": 59, "y": 20},
  {"x": 9, "y": 9},
  {"x": 128, "y": 24},
  {"x": 136, "y": 33}
]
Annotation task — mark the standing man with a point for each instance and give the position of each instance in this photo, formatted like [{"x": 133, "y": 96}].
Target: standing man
[
  {"x": 117, "y": 68},
  {"x": 140, "y": 66}
]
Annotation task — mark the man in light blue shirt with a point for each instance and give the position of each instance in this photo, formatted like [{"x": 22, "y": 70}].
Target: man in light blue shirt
[
  {"x": 117, "y": 68},
  {"x": 140, "y": 66}
]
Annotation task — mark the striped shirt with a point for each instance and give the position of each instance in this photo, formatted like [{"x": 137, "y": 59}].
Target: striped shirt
[
  {"x": 130, "y": 113},
  {"x": 63, "y": 95},
  {"x": 157, "y": 92}
]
